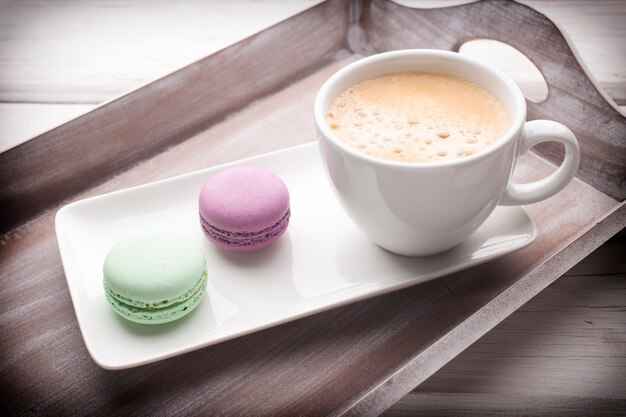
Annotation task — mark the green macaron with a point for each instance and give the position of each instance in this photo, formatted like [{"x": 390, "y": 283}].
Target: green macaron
[{"x": 154, "y": 277}]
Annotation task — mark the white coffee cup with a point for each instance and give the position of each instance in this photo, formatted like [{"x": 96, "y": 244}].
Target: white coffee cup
[{"x": 420, "y": 209}]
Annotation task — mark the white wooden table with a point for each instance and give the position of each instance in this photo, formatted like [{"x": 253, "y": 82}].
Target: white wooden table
[
  {"x": 564, "y": 351},
  {"x": 61, "y": 59}
]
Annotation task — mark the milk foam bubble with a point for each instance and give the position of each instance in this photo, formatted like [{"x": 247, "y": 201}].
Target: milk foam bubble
[{"x": 418, "y": 117}]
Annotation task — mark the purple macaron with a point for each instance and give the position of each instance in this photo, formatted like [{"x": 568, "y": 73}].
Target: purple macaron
[{"x": 244, "y": 209}]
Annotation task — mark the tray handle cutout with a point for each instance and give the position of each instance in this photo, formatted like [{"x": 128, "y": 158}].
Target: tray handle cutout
[{"x": 575, "y": 99}]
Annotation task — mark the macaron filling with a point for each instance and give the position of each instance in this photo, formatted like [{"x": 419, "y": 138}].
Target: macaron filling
[
  {"x": 158, "y": 304},
  {"x": 157, "y": 312},
  {"x": 243, "y": 239}
]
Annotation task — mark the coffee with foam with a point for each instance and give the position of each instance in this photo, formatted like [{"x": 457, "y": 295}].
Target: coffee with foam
[{"x": 418, "y": 117}]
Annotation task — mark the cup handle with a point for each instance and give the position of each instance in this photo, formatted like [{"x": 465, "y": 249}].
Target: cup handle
[{"x": 534, "y": 133}]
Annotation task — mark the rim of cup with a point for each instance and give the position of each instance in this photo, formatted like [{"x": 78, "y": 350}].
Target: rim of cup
[{"x": 515, "y": 124}]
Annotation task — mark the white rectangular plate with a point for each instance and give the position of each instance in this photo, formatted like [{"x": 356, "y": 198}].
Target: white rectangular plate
[{"x": 322, "y": 261}]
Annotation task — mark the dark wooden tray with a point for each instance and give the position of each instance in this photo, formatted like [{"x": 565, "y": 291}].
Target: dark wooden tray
[{"x": 253, "y": 97}]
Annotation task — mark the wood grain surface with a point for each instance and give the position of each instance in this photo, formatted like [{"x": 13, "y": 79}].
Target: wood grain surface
[
  {"x": 96, "y": 146},
  {"x": 45, "y": 64},
  {"x": 596, "y": 28},
  {"x": 58, "y": 60},
  {"x": 87, "y": 52},
  {"x": 357, "y": 359},
  {"x": 563, "y": 353}
]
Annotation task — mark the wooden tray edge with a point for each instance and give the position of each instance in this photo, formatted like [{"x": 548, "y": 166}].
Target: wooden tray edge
[
  {"x": 418, "y": 369},
  {"x": 43, "y": 172}
]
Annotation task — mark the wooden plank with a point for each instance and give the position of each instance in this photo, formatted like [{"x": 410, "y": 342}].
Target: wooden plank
[
  {"x": 590, "y": 24},
  {"x": 19, "y": 121},
  {"x": 487, "y": 405},
  {"x": 119, "y": 134},
  {"x": 564, "y": 351},
  {"x": 48, "y": 66},
  {"x": 122, "y": 45},
  {"x": 47, "y": 63},
  {"x": 91, "y": 51}
]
